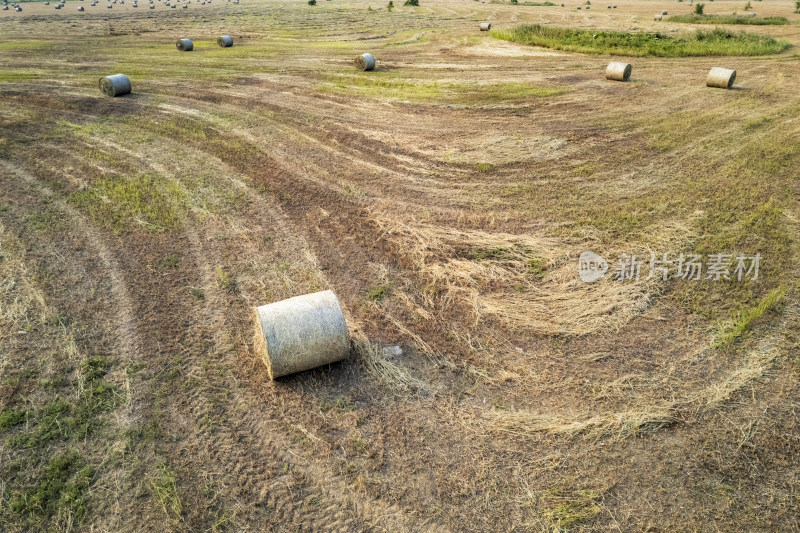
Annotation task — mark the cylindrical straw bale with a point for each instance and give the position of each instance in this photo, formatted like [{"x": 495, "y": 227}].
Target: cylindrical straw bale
[
  {"x": 722, "y": 78},
  {"x": 301, "y": 333},
  {"x": 80, "y": 8},
  {"x": 618, "y": 71},
  {"x": 115, "y": 85},
  {"x": 486, "y": 26},
  {"x": 184, "y": 45},
  {"x": 664, "y": 12},
  {"x": 225, "y": 41},
  {"x": 658, "y": 16},
  {"x": 365, "y": 62}
]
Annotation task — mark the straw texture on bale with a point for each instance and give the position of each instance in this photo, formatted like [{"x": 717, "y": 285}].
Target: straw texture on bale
[
  {"x": 115, "y": 85},
  {"x": 184, "y": 45},
  {"x": 618, "y": 71},
  {"x": 365, "y": 62},
  {"x": 722, "y": 78},
  {"x": 225, "y": 41},
  {"x": 301, "y": 333},
  {"x": 486, "y": 26}
]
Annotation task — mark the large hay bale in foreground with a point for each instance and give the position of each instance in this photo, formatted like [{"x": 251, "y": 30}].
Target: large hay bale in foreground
[
  {"x": 618, "y": 71},
  {"x": 115, "y": 85},
  {"x": 722, "y": 78},
  {"x": 225, "y": 41},
  {"x": 365, "y": 62},
  {"x": 486, "y": 26},
  {"x": 301, "y": 333},
  {"x": 184, "y": 45}
]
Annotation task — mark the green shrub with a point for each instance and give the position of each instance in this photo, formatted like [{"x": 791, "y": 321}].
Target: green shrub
[
  {"x": 698, "y": 9},
  {"x": 717, "y": 42},
  {"x": 412, "y": 3}
]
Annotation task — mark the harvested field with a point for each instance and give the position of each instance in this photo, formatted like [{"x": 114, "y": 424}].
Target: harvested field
[{"x": 445, "y": 198}]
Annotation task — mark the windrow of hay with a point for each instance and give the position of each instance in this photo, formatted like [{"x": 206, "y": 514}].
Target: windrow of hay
[
  {"x": 528, "y": 282},
  {"x": 619, "y": 424},
  {"x": 385, "y": 371},
  {"x": 650, "y": 414}
]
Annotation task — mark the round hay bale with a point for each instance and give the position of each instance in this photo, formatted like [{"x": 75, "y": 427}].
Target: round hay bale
[
  {"x": 365, "y": 62},
  {"x": 184, "y": 45},
  {"x": 618, "y": 71},
  {"x": 225, "y": 41},
  {"x": 753, "y": 14},
  {"x": 486, "y": 26},
  {"x": 721, "y": 78},
  {"x": 657, "y": 16},
  {"x": 664, "y": 12},
  {"x": 579, "y": 8},
  {"x": 80, "y": 8},
  {"x": 301, "y": 333},
  {"x": 115, "y": 85}
]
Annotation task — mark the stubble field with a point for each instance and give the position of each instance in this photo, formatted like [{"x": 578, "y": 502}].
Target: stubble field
[{"x": 445, "y": 198}]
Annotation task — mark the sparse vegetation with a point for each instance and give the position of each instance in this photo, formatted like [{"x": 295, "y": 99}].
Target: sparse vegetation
[
  {"x": 144, "y": 201},
  {"x": 698, "y": 8}
]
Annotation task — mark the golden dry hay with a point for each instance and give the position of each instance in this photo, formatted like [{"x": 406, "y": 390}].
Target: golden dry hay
[
  {"x": 722, "y": 78},
  {"x": 365, "y": 62},
  {"x": 115, "y": 85},
  {"x": 618, "y": 71},
  {"x": 184, "y": 45},
  {"x": 301, "y": 333}
]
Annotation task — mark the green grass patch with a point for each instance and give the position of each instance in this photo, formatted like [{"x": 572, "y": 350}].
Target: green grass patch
[
  {"x": 61, "y": 491},
  {"x": 729, "y": 19},
  {"x": 12, "y": 77},
  {"x": 717, "y": 42},
  {"x": 165, "y": 492},
  {"x": 11, "y": 417},
  {"x": 377, "y": 85},
  {"x": 748, "y": 316},
  {"x": 144, "y": 201}
]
